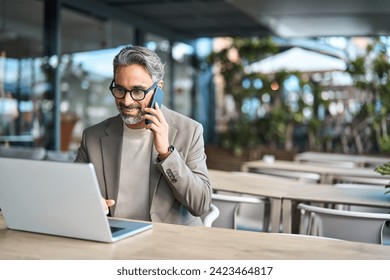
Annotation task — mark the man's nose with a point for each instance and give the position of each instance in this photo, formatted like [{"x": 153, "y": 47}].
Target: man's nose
[{"x": 127, "y": 100}]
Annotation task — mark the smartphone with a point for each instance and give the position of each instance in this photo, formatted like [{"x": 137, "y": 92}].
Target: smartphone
[{"x": 158, "y": 96}]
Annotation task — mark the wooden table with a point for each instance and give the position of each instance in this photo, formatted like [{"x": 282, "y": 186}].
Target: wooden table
[
  {"x": 271, "y": 187},
  {"x": 357, "y": 160},
  {"x": 173, "y": 242},
  {"x": 283, "y": 192},
  {"x": 327, "y": 173}
]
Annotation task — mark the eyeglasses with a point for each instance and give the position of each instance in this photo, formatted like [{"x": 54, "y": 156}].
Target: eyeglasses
[{"x": 136, "y": 93}]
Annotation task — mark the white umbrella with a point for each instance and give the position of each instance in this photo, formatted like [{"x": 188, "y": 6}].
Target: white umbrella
[{"x": 297, "y": 59}]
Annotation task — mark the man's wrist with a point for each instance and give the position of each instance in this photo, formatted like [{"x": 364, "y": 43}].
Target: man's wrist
[{"x": 163, "y": 156}]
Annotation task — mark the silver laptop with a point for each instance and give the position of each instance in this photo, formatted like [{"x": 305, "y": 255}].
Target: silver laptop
[{"x": 58, "y": 198}]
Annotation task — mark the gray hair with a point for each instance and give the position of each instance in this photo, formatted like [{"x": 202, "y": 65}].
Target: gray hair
[{"x": 142, "y": 56}]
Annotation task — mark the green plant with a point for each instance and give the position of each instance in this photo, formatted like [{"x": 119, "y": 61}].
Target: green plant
[
  {"x": 274, "y": 126},
  {"x": 371, "y": 74},
  {"x": 384, "y": 169}
]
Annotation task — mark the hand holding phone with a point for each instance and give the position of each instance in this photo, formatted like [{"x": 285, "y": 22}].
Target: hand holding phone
[{"x": 158, "y": 96}]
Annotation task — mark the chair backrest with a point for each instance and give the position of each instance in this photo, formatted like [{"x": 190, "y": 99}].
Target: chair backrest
[
  {"x": 339, "y": 179},
  {"x": 309, "y": 177},
  {"x": 228, "y": 206},
  {"x": 210, "y": 216},
  {"x": 333, "y": 163},
  {"x": 36, "y": 153},
  {"x": 340, "y": 224},
  {"x": 254, "y": 216}
]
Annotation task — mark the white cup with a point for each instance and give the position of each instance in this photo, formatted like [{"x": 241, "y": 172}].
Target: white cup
[{"x": 269, "y": 158}]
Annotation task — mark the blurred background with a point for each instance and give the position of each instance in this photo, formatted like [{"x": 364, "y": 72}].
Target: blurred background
[{"x": 263, "y": 77}]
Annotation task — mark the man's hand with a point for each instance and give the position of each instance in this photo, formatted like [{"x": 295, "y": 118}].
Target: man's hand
[
  {"x": 160, "y": 128},
  {"x": 107, "y": 203}
]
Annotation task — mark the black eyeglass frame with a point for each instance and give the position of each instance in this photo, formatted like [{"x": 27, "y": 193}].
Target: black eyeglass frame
[{"x": 112, "y": 87}]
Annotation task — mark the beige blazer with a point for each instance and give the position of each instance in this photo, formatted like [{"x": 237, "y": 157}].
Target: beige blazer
[{"x": 180, "y": 189}]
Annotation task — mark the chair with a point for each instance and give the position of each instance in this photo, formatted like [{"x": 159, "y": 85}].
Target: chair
[
  {"x": 341, "y": 224},
  {"x": 341, "y": 179},
  {"x": 229, "y": 207},
  {"x": 358, "y": 208},
  {"x": 210, "y": 216},
  {"x": 36, "y": 153}
]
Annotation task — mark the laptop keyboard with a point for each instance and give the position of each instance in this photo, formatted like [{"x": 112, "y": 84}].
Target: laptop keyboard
[{"x": 115, "y": 229}]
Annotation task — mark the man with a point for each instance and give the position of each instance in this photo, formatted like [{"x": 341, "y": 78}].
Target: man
[{"x": 156, "y": 171}]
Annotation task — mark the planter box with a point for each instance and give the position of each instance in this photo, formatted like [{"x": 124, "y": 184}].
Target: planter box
[{"x": 223, "y": 159}]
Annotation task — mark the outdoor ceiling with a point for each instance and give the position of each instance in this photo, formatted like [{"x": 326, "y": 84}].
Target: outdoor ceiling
[
  {"x": 285, "y": 18},
  {"x": 317, "y": 18},
  {"x": 85, "y": 23}
]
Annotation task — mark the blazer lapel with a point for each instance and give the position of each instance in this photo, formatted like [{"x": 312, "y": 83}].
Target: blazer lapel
[{"x": 111, "y": 153}]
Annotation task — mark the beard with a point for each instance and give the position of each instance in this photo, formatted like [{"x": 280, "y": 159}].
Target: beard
[{"x": 130, "y": 119}]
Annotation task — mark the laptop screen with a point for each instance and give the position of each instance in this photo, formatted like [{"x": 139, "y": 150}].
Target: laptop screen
[{"x": 58, "y": 198}]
